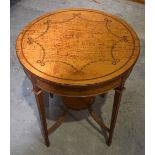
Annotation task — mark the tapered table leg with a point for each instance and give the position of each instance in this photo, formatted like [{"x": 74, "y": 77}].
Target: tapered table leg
[
  {"x": 117, "y": 100},
  {"x": 40, "y": 103}
]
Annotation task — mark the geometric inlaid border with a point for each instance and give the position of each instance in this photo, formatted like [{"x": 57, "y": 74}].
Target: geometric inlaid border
[{"x": 114, "y": 62}]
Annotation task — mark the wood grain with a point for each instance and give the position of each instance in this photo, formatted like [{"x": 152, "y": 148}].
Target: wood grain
[
  {"x": 77, "y": 54},
  {"x": 77, "y": 47}
]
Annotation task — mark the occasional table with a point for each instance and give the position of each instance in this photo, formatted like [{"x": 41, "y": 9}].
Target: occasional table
[{"x": 77, "y": 54}]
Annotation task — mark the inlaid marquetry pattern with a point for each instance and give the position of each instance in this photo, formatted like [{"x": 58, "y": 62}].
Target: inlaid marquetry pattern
[{"x": 77, "y": 45}]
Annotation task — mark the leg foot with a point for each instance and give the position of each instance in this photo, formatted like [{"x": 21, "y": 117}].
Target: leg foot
[
  {"x": 108, "y": 142},
  {"x": 47, "y": 144}
]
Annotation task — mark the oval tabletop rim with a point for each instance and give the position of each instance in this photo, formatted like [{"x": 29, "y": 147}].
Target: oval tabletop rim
[{"x": 78, "y": 82}]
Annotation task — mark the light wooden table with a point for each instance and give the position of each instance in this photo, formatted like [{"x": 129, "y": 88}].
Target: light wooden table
[{"x": 77, "y": 54}]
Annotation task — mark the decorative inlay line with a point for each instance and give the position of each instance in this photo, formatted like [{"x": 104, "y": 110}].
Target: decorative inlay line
[
  {"x": 124, "y": 38},
  {"x": 63, "y": 63},
  {"x": 31, "y": 41},
  {"x": 91, "y": 63},
  {"x": 79, "y": 16},
  {"x": 59, "y": 22},
  {"x": 115, "y": 61},
  {"x": 106, "y": 24},
  {"x": 42, "y": 63},
  {"x": 47, "y": 23}
]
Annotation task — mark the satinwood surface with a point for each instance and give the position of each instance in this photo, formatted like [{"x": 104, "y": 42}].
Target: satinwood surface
[{"x": 77, "y": 47}]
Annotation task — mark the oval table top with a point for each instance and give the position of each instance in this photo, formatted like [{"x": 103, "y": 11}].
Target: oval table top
[{"x": 77, "y": 47}]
